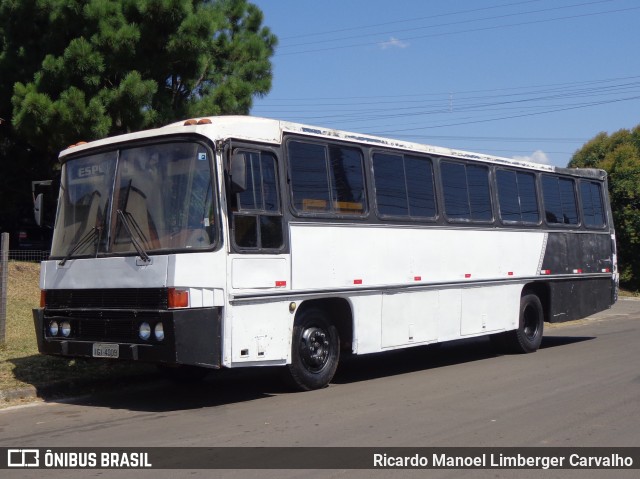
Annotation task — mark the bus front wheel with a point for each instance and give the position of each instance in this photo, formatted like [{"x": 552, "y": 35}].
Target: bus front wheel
[{"x": 315, "y": 351}]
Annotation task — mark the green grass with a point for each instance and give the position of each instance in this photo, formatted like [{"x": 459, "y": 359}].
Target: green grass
[
  {"x": 20, "y": 363},
  {"x": 629, "y": 294}
]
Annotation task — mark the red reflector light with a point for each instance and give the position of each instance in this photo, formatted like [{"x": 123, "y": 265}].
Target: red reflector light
[
  {"x": 43, "y": 298},
  {"x": 177, "y": 298},
  {"x": 467, "y": 275},
  {"x": 510, "y": 273},
  {"x": 357, "y": 281},
  {"x": 281, "y": 284},
  {"x": 577, "y": 271},
  {"x": 545, "y": 271},
  {"x": 417, "y": 278}
]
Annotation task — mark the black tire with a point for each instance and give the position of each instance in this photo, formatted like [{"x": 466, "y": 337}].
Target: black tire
[
  {"x": 183, "y": 374},
  {"x": 528, "y": 336},
  {"x": 315, "y": 351}
]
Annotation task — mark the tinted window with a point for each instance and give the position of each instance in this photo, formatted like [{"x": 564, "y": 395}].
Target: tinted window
[
  {"x": 261, "y": 191},
  {"x": 528, "y": 198},
  {"x": 347, "y": 180},
  {"x": 404, "y": 186},
  {"x": 257, "y": 222},
  {"x": 391, "y": 196},
  {"x": 420, "y": 192},
  {"x": 559, "y": 200},
  {"x": 326, "y": 179},
  {"x": 517, "y": 196},
  {"x": 309, "y": 176},
  {"x": 466, "y": 191},
  {"x": 592, "y": 206}
]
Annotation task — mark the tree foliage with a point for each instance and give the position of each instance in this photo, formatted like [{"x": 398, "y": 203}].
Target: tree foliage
[
  {"x": 619, "y": 155},
  {"x": 75, "y": 70},
  {"x": 104, "y": 67}
]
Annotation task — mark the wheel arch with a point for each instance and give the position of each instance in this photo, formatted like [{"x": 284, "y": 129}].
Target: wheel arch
[
  {"x": 543, "y": 292},
  {"x": 339, "y": 311}
]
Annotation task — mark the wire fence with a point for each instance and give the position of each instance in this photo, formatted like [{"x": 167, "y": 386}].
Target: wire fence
[{"x": 32, "y": 256}]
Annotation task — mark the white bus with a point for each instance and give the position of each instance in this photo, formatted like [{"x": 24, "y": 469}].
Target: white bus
[{"x": 237, "y": 241}]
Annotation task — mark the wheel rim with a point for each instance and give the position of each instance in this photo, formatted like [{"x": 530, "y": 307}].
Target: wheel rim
[
  {"x": 531, "y": 323},
  {"x": 314, "y": 348}
]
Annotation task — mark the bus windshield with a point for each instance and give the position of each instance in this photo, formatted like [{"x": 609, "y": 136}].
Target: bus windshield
[{"x": 158, "y": 196}]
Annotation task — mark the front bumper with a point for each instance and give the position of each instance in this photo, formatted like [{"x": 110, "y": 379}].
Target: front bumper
[{"x": 192, "y": 337}]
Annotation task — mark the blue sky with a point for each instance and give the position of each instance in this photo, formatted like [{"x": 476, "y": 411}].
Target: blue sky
[{"x": 533, "y": 79}]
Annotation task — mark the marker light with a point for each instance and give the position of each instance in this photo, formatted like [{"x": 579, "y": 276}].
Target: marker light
[
  {"x": 43, "y": 298},
  {"x": 178, "y": 298}
]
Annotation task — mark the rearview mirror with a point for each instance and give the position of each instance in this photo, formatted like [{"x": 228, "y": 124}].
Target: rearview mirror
[
  {"x": 238, "y": 173},
  {"x": 37, "y": 209}
]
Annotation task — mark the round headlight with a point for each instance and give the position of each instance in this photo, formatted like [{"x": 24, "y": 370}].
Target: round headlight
[
  {"x": 65, "y": 328},
  {"x": 158, "y": 331},
  {"x": 145, "y": 331},
  {"x": 53, "y": 328}
]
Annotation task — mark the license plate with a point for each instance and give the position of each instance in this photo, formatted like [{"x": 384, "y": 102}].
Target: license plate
[{"x": 102, "y": 350}]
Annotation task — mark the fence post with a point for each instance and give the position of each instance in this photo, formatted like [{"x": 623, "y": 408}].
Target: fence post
[{"x": 4, "y": 281}]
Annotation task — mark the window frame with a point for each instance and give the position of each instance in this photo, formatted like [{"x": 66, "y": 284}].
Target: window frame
[
  {"x": 601, "y": 187},
  {"x": 434, "y": 173},
  {"x": 575, "y": 198},
  {"x": 326, "y": 145},
  {"x": 537, "y": 189},
  {"x": 258, "y": 213},
  {"x": 490, "y": 184}
]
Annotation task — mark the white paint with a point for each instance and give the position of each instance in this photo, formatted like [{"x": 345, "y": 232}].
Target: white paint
[
  {"x": 333, "y": 256},
  {"x": 259, "y": 272}
]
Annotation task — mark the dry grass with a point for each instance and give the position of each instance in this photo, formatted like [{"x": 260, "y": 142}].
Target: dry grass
[
  {"x": 23, "y": 295},
  {"x": 21, "y": 364}
]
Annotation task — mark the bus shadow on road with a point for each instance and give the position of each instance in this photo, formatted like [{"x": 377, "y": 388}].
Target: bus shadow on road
[
  {"x": 229, "y": 386},
  {"x": 555, "y": 341},
  {"x": 163, "y": 395},
  {"x": 421, "y": 358}
]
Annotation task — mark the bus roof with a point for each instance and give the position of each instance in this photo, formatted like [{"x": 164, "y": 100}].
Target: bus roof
[{"x": 271, "y": 131}]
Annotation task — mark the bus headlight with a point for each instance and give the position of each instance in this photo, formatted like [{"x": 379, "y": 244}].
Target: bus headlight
[
  {"x": 53, "y": 328},
  {"x": 158, "y": 331},
  {"x": 65, "y": 328},
  {"x": 145, "y": 331}
]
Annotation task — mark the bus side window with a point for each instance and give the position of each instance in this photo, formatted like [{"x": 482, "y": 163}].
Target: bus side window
[
  {"x": 559, "y": 200},
  {"x": 592, "y": 205},
  {"x": 404, "y": 186},
  {"x": 517, "y": 196},
  {"x": 466, "y": 192},
  {"x": 327, "y": 179},
  {"x": 257, "y": 220}
]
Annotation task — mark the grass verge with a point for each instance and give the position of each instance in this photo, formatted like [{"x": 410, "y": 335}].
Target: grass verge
[{"x": 22, "y": 366}]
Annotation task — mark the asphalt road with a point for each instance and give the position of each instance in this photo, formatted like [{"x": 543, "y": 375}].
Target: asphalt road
[{"x": 582, "y": 388}]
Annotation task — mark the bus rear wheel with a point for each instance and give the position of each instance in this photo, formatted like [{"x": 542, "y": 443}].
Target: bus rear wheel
[
  {"x": 315, "y": 351},
  {"x": 528, "y": 337}
]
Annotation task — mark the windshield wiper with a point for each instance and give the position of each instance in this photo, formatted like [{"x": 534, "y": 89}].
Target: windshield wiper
[
  {"x": 84, "y": 241},
  {"x": 125, "y": 221}
]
